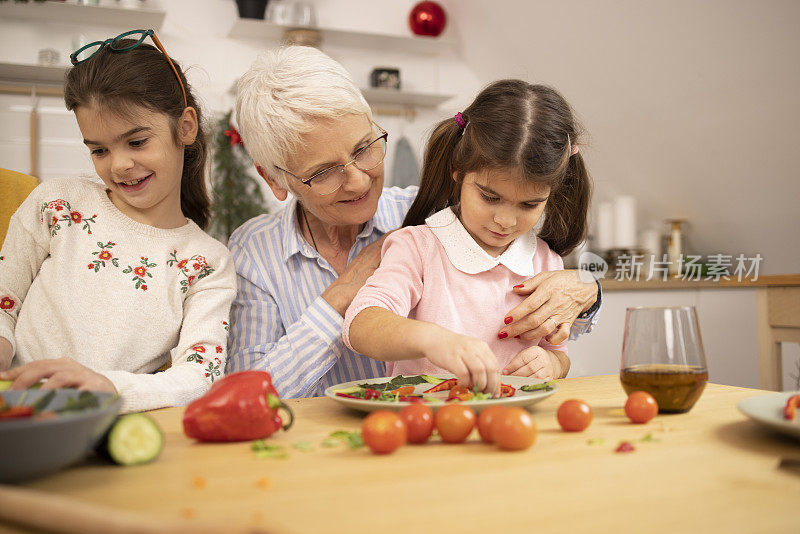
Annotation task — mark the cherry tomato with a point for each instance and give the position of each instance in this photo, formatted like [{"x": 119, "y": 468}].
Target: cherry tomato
[
  {"x": 461, "y": 393},
  {"x": 383, "y": 431},
  {"x": 641, "y": 407},
  {"x": 485, "y": 420},
  {"x": 513, "y": 429},
  {"x": 574, "y": 415},
  {"x": 419, "y": 422},
  {"x": 454, "y": 422}
]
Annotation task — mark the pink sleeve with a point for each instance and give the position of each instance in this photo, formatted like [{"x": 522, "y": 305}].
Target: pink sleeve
[{"x": 396, "y": 285}]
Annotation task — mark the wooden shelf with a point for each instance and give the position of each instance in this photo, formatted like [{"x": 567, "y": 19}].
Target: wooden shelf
[
  {"x": 32, "y": 74},
  {"x": 139, "y": 18},
  {"x": 268, "y": 31},
  {"x": 398, "y": 98}
]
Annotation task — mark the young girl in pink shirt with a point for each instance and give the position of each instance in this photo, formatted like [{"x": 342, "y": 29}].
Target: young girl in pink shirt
[{"x": 489, "y": 175}]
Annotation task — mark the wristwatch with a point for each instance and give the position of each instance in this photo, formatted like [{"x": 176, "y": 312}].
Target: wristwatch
[{"x": 596, "y": 305}]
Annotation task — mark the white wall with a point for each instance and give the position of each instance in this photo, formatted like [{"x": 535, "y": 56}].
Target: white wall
[
  {"x": 196, "y": 34},
  {"x": 691, "y": 105}
]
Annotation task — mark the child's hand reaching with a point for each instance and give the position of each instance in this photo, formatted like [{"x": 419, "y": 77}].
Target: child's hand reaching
[
  {"x": 60, "y": 373},
  {"x": 536, "y": 362},
  {"x": 470, "y": 359}
]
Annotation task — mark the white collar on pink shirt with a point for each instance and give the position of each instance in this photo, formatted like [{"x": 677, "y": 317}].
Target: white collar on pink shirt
[{"x": 467, "y": 256}]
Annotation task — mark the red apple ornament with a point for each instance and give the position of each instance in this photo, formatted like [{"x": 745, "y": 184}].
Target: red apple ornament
[{"x": 427, "y": 18}]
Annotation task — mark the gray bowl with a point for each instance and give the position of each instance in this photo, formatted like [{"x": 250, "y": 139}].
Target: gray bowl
[{"x": 31, "y": 448}]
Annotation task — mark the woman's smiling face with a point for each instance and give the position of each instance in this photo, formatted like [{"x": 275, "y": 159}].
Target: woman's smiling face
[
  {"x": 335, "y": 142},
  {"x": 139, "y": 161}
]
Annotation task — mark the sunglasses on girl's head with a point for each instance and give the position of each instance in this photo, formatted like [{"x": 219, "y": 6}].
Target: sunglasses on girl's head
[{"x": 88, "y": 51}]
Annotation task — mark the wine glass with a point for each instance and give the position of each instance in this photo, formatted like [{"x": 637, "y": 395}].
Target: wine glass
[{"x": 662, "y": 354}]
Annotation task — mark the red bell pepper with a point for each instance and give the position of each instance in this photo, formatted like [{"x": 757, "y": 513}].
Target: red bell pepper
[
  {"x": 348, "y": 396},
  {"x": 790, "y": 409},
  {"x": 448, "y": 384},
  {"x": 507, "y": 390},
  {"x": 239, "y": 407},
  {"x": 14, "y": 412}
]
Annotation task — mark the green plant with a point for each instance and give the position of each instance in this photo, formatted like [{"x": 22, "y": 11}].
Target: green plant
[{"x": 237, "y": 196}]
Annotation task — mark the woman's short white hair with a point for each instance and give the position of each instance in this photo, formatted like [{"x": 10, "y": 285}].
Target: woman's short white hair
[{"x": 281, "y": 95}]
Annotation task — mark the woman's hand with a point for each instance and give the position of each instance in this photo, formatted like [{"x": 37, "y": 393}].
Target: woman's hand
[
  {"x": 470, "y": 359},
  {"x": 342, "y": 291},
  {"x": 555, "y": 300},
  {"x": 60, "y": 373},
  {"x": 538, "y": 363}
]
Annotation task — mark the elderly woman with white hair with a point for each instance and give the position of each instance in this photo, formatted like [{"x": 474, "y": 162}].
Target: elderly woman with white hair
[{"x": 311, "y": 133}]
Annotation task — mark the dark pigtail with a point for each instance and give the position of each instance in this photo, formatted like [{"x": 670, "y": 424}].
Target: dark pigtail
[
  {"x": 565, "y": 224},
  {"x": 437, "y": 189}
]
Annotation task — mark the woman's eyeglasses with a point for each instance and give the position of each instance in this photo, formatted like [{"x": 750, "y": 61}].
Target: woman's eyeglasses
[
  {"x": 330, "y": 179},
  {"x": 88, "y": 51}
]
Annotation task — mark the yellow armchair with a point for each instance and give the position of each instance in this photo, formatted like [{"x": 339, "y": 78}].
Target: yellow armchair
[{"x": 14, "y": 188}]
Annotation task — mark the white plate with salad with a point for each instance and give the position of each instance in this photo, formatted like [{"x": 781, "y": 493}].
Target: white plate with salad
[
  {"x": 769, "y": 411},
  {"x": 392, "y": 393}
]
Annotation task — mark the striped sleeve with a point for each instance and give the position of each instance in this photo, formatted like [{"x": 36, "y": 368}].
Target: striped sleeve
[{"x": 298, "y": 355}]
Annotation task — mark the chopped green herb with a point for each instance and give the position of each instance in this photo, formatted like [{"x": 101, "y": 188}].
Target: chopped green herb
[
  {"x": 268, "y": 450},
  {"x": 85, "y": 400},
  {"x": 649, "y": 437},
  {"x": 397, "y": 382},
  {"x": 330, "y": 443},
  {"x": 595, "y": 441},
  {"x": 547, "y": 386},
  {"x": 304, "y": 446},
  {"x": 43, "y": 401},
  {"x": 352, "y": 439}
]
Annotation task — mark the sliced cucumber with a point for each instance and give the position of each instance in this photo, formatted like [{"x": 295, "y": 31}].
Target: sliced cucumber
[{"x": 132, "y": 439}]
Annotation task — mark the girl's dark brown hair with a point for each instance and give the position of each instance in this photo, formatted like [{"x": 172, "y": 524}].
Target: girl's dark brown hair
[
  {"x": 119, "y": 82},
  {"x": 512, "y": 125}
]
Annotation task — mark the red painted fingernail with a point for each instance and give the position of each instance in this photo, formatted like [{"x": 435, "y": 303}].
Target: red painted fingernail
[
  {"x": 519, "y": 286},
  {"x": 508, "y": 320},
  {"x": 502, "y": 335}
]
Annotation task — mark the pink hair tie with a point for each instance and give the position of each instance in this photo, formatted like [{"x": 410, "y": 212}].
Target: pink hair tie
[{"x": 460, "y": 120}]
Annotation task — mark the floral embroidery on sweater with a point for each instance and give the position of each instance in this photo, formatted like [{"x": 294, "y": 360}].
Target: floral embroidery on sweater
[
  {"x": 192, "y": 268},
  {"x": 103, "y": 255},
  {"x": 7, "y": 304},
  {"x": 70, "y": 217},
  {"x": 213, "y": 363},
  {"x": 139, "y": 273}
]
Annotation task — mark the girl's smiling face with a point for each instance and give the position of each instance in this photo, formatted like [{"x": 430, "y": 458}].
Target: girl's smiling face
[
  {"x": 139, "y": 160},
  {"x": 498, "y": 206}
]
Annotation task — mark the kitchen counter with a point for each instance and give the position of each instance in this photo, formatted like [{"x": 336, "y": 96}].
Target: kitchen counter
[{"x": 776, "y": 280}]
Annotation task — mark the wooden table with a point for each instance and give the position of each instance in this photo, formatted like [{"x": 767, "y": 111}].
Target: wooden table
[{"x": 710, "y": 470}]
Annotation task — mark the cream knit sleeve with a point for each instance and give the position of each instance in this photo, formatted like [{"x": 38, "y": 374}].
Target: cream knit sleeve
[
  {"x": 25, "y": 247},
  {"x": 200, "y": 355}
]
